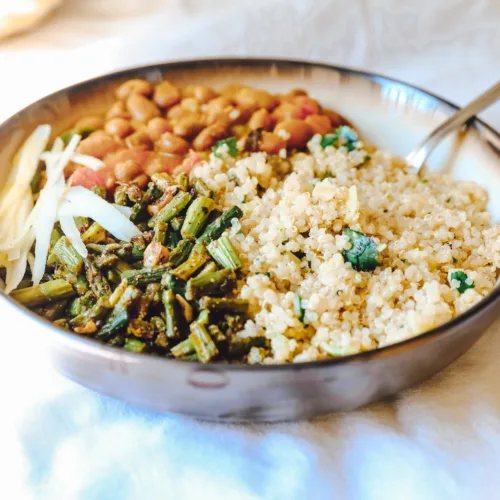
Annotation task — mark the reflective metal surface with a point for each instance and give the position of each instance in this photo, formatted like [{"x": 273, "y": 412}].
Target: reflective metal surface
[{"x": 388, "y": 113}]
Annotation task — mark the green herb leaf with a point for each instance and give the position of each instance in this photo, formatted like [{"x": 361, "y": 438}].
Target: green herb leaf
[
  {"x": 297, "y": 308},
  {"x": 342, "y": 136},
  {"x": 464, "y": 281},
  {"x": 231, "y": 144},
  {"x": 363, "y": 254}
]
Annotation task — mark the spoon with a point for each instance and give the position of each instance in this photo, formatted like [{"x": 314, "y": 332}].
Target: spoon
[{"x": 417, "y": 157}]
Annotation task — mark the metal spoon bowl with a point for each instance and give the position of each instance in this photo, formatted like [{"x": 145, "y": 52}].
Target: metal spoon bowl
[{"x": 418, "y": 156}]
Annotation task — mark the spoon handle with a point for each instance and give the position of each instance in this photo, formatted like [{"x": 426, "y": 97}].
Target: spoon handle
[{"x": 418, "y": 156}]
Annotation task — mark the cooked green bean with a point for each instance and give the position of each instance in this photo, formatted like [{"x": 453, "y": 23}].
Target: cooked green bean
[
  {"x": 176, "y": 205},
  {"x": 183, "y": 349},
  {"x": 202, "y": 189},
  {"x": 160, "y": 230},
  {"x": 94, "y": 234},
  {"x": 98, "y": 283},
  {"x": 173, "y": 283},
  {"x": 44, "y": 293},
  {"x": 214, "y": 230},
  {"x": 162, "y": 180},
  {"x": 197, "y": 258},
  {"x": 183, "y": 181},
  {"x": 216, "y": 283},
  {"x": 209, "y": 268},
  {"x": 203, "y": 344},
  {"x": 119, "y": 317},
  {"x": 181, "y": 253},
  {"x": 171, "y": 316},
  {"x": 65, "y": 254},
  {"x": 225, "y": 305},
  {"x": 134, "y": 345},
  {"x": 196, "y": 216},
  {"x": 144, "y": 276},
  {"x": 223, "y": 252},
  {"x": 176, "y": 223}
]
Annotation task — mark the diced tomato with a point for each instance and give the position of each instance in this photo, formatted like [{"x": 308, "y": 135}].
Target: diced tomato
[
  {"x": 307, "y": 105},
  {"x": 88, "y": 178},
  {"x": 190, "y": 161}
]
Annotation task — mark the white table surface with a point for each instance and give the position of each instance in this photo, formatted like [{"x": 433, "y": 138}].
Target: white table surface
[{"x": 440, "y": 440}]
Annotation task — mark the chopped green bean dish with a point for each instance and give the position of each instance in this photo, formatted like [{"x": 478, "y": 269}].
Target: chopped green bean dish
[{"x": 236, "y": 225}]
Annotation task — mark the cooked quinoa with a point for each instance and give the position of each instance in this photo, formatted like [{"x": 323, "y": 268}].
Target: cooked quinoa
[
  {"x": 236, "y": 225},
  {"x": 291, "y": 242}
]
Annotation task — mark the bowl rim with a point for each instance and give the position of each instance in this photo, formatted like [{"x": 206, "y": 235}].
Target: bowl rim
[{"x": 96, "y": 348}]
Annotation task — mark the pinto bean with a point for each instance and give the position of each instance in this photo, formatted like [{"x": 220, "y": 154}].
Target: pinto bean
[
  {"x": 141, "y": 180},
  {"x": 98, "y": 144},
  {"x": 141, "y": 108},
  {"x": 166, "y": 95},
  {"x": 231, "y": 90},
  {"x": 189, "y": 126},
  {"x": 320, "y": 124},
  {"x": 255, "y": 98},
  {"x": 139, "y": 140},
  {"x": 127, "y": 170},
  {"x": 158, "y": 126},
  {"x": 203, "y": 94},
  {"x": 271, "y": 143},
  {"x": 118, "y": 110},
  {"x": 298, "y": 132},
  {"x": 209, "y": 136},
  {"x": 134, "y": 86},
  {"x": 287, "y": 110},
  {"x": 218, "y": 105},
  {"x": 190, "y": 104},
  {"x": 119, "y": 127},
  {"x": 176, "y": 112},
  {"x": 158, "y": 163},
  {"x": 261, "y": 119},
  {"x": 171, "y": 143},
  {"x": 295, "y": 92},
  {"x": 307, "y": 105},
  {"x": 90, "y": 122}
]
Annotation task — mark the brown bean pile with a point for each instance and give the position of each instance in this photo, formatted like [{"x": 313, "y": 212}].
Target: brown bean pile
[{"x": 167, "y": 128}]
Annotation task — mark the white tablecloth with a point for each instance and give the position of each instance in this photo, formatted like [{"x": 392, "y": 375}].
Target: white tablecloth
[{"x": 438, "y": 441}]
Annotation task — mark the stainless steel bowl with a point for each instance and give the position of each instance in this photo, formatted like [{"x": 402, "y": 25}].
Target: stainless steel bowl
[{"x": 389, "y": 113}]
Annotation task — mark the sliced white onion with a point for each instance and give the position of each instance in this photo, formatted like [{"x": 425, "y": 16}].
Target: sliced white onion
[
  {"x": 47, "y": 216},
  {"x": 17, "y": 268},
  {"x": 56, "y": 170},
  {"x": 82, "y": 202},
  {"x": 70, "y": 229},
  {"x": 126, "y": 211},
  {"x": 79, "y": 159},
  {"x": 58, "y": 145}
]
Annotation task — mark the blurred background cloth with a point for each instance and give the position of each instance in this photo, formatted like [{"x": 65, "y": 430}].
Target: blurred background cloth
[
  {"x": 17, "y": 16},
  {"x": 438, "y": 441}
]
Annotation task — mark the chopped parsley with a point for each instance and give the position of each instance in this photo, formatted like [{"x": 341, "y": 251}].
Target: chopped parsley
[
  {"x": 298, "y": 309},
  {"x": 231, "y": 145},
  {"x": 464, "y": 282},
  {"x": 425, "y": 181},
  {"x": 363, "y": 254},
  {"x": 342, "y": 136}
]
